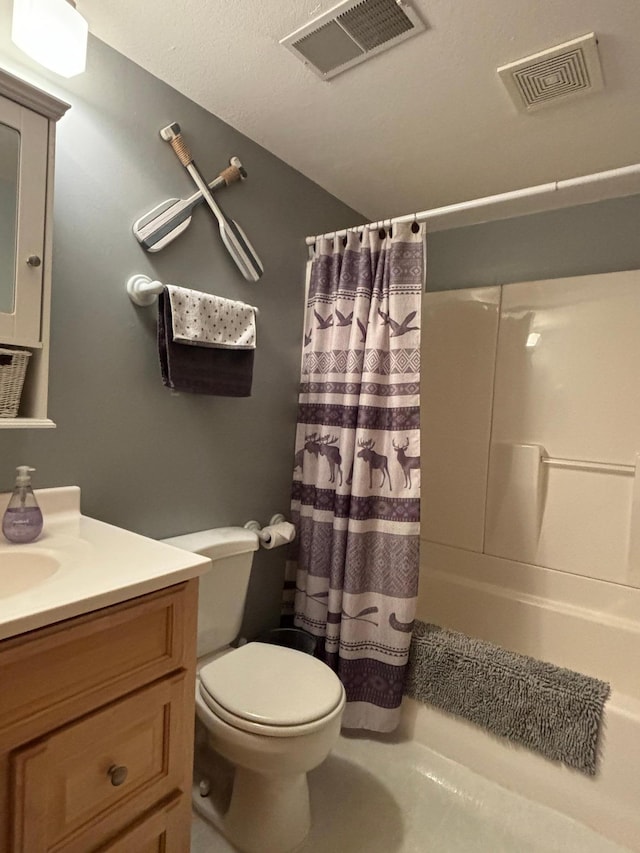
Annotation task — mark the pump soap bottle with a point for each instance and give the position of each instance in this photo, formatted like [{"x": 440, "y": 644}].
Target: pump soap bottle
[{"x": 22, "y": 522}]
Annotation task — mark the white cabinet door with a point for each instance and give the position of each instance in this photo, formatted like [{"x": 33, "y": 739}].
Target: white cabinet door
[{"x": 20, "y": 311}]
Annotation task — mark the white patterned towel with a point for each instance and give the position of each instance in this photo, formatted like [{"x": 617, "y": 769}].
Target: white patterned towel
[{"x": 201, "y": 319}]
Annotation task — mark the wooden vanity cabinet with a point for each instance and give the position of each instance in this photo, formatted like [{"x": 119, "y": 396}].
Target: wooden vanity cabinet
[{"x": 96, "y": 730}]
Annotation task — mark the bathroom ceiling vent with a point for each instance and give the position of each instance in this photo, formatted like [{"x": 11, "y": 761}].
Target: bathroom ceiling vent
[
  {"x": 569, "y": 69},
  {"x": 352, "y": 32}
]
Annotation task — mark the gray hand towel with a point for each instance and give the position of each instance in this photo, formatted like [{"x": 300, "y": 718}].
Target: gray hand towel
[{"x": 197, "y": 369}]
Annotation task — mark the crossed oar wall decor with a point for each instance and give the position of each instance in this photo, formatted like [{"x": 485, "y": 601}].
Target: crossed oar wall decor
[{"x": 164, "y": 223}]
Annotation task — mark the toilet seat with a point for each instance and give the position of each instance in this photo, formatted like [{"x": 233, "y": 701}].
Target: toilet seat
[{"x": 271, "y": 690}]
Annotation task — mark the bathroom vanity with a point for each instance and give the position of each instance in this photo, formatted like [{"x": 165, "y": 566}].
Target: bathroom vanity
[{"x": 97, "y": 688}]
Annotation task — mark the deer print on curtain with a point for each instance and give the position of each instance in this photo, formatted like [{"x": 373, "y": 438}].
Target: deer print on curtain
[{"x": 356, "y": 483}]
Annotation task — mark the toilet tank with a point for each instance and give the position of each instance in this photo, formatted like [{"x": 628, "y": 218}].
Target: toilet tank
[{"x": 223, "y": 589}]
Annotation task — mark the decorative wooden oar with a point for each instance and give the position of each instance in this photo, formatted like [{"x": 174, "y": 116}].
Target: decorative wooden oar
[
  {"x": 233, "y": 236},
  {"x": 160, "y": 226}
]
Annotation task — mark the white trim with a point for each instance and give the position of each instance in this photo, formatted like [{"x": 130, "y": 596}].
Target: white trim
[
  {"x": 585, "y": 189},
  {"x": 29, "y": 96},
  {"x": 26, "y": 423}
]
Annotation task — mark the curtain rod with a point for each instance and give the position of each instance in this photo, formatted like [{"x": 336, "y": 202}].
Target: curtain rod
[{"x": 573, "y": 191}]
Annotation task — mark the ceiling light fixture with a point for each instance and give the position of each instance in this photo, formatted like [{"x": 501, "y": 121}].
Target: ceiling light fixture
[{"x": 53, "y": 33}]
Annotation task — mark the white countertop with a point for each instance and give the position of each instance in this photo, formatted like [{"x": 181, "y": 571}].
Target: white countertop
[{"x": 100, "y": 565}]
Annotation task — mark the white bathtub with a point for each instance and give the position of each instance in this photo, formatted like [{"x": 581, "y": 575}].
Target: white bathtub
[{"x": 587, "y": 625}]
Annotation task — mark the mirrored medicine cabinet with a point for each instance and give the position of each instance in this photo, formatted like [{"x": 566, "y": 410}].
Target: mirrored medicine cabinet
[{"x": 28, "y": 119}]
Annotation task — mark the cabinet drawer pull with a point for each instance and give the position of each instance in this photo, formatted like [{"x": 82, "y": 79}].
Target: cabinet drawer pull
[
  {"x": 117, "y": 774},
  {"x": 34, "y": 261}
]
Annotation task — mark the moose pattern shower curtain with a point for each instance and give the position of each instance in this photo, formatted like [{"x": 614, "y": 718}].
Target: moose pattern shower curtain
[{"x": 356, "y": 486}]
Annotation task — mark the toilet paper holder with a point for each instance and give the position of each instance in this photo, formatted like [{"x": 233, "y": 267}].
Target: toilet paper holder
[{"x": 266, "y": 534}]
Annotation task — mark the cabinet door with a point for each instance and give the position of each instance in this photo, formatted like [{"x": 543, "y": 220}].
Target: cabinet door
[
  {"x": 165, "y": 830},
  {"x": 81, "y": 785},
  {"x": 23, "y": 188}
]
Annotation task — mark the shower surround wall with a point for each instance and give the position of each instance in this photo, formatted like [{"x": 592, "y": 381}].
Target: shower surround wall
[
  {"x": 490, "y": 517},
  {"x": 151, "y": 461}
]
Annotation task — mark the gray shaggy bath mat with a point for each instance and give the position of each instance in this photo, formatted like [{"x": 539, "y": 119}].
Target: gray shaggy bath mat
[{"x": 554, "y": 711}]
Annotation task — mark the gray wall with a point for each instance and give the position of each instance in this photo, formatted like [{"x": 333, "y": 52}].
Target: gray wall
[
  {"x": 151, "y": 461},
  {"x": 592, "y": 238}
]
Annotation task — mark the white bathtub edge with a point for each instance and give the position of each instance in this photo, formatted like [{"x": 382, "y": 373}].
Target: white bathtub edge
[{"x": 608, "y": 803}]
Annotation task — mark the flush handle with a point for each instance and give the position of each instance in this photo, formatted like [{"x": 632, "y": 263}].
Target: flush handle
[{"x": 117, "y": 774}]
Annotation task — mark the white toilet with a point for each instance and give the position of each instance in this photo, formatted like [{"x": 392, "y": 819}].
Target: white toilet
[{"x": 272, "y": 712}]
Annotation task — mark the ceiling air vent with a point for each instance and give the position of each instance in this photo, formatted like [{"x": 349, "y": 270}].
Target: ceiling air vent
[
  {"x": 572, "y": 68},
  {"x": 352, "y": 32}
]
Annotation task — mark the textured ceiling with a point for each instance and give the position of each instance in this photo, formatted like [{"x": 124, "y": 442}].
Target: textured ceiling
[{"x": 425, "y": 124}]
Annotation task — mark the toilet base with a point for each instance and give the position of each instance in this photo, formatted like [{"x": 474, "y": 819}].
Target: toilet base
[
  {"x": 207, "y": 808},
  {"x": 264, "y": 816},
  {"x": 256, "y": 813},
  {"x": 268, "y": 815}
]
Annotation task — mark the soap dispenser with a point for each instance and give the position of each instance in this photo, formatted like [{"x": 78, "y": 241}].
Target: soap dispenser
[{"x": 22, "y": 521}]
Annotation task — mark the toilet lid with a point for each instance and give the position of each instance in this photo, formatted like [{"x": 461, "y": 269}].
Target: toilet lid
[{"x": 272, "y": 685}]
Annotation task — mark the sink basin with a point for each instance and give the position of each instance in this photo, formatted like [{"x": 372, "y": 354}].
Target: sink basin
[{"x": 24, "y": 569}]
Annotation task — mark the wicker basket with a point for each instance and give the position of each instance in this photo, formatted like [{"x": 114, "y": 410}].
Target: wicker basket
[{"x": 13, "y": 367}]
